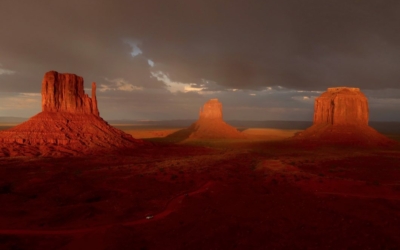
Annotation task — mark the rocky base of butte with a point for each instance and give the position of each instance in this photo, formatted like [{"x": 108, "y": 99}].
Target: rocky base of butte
[
  {"x": 341, "y": 117},
  {"x": 69, "y": 124}
]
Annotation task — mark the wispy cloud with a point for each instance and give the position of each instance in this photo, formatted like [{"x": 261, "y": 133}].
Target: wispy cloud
[
  {"x": 304, "y": 98},
  {"x": 118, "y": 84},
  {"x": 21, "y": 101},
  {"x": 175, "y": 86},
  {"x": 6, "y": 71},
  {"x": 135, "y": 47}
]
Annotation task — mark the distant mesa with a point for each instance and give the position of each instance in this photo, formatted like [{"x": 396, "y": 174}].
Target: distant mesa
[
  {"x": 69, "y": 124},
  {"x": 341, "y": 116},
  {"x": 210, "y": 125},
  {"x": 211, "y": 110}
]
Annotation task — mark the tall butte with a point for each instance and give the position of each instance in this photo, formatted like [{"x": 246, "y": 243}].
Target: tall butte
[
  {"x": 69, "y": 124},
  {"x": 341, "y": 117},
  {"x": 210, "y": 124},
  {"x": 65, "y": 93}
]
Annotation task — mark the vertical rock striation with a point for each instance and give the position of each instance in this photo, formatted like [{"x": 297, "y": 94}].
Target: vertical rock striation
[
  {"x": 95, "y": 109},
  {"x": 341, "y": 106},
  {"x": 341, "y": 117},
  {"x": 65, "y": 93},
  {"x": 69, "y": 124}
]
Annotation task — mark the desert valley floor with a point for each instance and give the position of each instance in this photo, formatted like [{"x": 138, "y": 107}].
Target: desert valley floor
[{"x": 257, "y": 193}]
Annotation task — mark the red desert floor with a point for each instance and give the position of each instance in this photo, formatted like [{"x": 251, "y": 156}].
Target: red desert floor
[{"x": 255, "y": 195}]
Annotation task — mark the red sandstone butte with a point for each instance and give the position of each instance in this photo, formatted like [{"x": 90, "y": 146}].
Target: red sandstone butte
[
  {"x": 210, "y": 124},
  {"x": 341, "y": 106},
  {"x": 65, "y": 93},
  {"x": 341, "y": 116},
  {"x": 69, "y": 123},
  {"x": 211, "y": 110}
]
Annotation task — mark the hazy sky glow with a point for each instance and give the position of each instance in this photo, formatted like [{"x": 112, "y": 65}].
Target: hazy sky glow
[{"x": 156, "y": 60}]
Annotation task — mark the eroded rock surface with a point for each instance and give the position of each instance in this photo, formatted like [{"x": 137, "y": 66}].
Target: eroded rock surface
[
  {"x": 341, "y": 116},
  {"x": 211, "y": 110},
  {"x": 69, "y": 123},
  {"x": 341, "y": 106},
  {"x": 65, "y": 93}
]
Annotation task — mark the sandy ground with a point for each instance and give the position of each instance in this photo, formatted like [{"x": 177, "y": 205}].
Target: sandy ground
[
  {"x": 260, "y": 193},
  {"x": 267, "y": 134},
  {"x": 149, "y": 133}
]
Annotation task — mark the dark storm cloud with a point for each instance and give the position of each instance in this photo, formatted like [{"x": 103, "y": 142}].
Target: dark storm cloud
[
  {"x": 296, "y": 44},
  {"x": 214, "y": 45},
  {"x": 308, "y": 44}
]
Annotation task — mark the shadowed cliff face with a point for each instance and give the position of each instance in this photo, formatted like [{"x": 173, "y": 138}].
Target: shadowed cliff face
[
  {"x": 65, "y": 93},
  {"x": 341, "y": 106}
]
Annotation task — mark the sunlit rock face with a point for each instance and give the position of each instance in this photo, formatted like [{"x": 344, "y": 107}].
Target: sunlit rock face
[
  {"x": 65, "y": 93},
  {"x": 341, "y": 117},
  {"x": 211, "y": 110},
  {"x": 210, "y": 124},
  {"x": 69, "y": 123},
  {"x": 341, "y": 106}
]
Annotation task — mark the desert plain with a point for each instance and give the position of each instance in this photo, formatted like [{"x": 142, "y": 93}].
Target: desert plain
[
  {"x": 262, "y": 192},
  {"x": 71, "y": 180},
  {"x": 209, "y": 124}
]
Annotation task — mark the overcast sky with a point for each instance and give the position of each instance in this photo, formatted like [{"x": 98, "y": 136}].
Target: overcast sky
[{"x": 162, "y": 59}]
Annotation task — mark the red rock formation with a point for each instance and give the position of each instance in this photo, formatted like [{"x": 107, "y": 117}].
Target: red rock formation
[
  {"x": 69, "y": 123},
  {"x": 65, "y": 93},
  {"x": 211, "y": 110},
  {"x": 210, "y": 124},
  {"x": 95, "y": 109},
  {"x": 343, "y": 106},
  {"x": 341, "y": 117}
]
